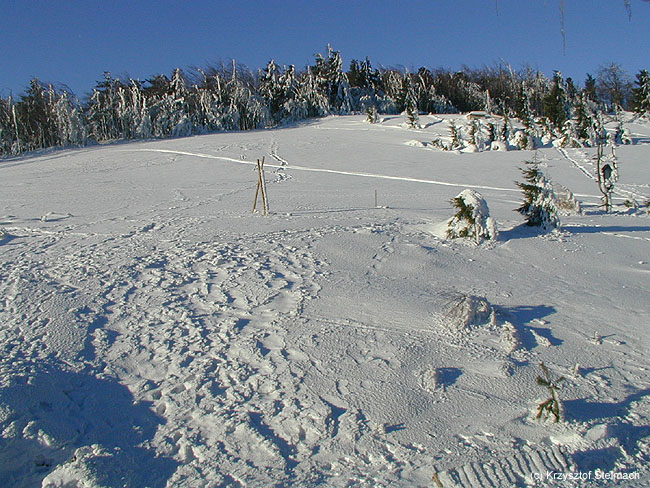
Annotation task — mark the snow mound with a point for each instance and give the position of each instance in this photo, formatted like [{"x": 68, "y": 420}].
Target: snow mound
[
  {"x": 498, "y": 146},
  {"x": 465, "y": 310},
  {"x": 414, "y": 143}
]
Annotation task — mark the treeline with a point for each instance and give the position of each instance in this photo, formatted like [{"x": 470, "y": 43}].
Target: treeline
[{"x": 231, "y": 97}]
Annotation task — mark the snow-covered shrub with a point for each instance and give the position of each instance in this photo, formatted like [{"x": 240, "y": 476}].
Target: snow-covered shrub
[
  {"x": 372, "y": 117},
  {"x": 522, "y": 140},
  {"x": 566, "y": 202},
  {"x": 510, "y": 337},
  {"x": 437, "y": 143},
  {"x": 569, "y": 136},
  {"x": 465, "y": 310},
  {"x": 539, "y": 206},
  {"x": 498, "y": 146},
  {"x": 472, "y": 220},
  {"x": 622, "y": 135}
]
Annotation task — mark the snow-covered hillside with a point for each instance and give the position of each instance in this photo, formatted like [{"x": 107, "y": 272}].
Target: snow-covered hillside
[{"x": 154, "y": 332}]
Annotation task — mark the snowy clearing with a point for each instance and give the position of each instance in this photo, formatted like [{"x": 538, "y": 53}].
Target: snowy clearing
[{"x": 154, "y": 332}]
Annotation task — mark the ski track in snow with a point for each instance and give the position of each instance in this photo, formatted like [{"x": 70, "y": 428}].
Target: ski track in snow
[
  {"x": 329, "y": 171},
  {"x": 619, "y": 188}
]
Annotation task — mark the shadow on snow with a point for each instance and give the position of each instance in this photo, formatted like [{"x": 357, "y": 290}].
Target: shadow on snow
[{"x": 52, "y": 411}]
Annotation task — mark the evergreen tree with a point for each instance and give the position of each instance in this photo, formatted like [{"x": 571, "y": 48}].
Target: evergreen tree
[
  {"x": 332, "y": 81},
  {"x": 590, "y": 88},
  {"x": 355, "y": 75},
  {"x": 7, "y": 134},
  {"x": 271, "y": 89},
  {"x": 641, "y": 94},
  {"x": 525, "y": 113},
  {"x": 556, "y": 103},
  {"x": 504, "y": 134},
  {"x": 539, "y": 205},
  {"x": 370, "y": 76},
  {"x": 35, "y": 117},
  {"x": 102, "y": 110},
  {"x": 293, "y": 107},
  {"x": 584, "y": 119},
  {"x": 571, "y": 90}
]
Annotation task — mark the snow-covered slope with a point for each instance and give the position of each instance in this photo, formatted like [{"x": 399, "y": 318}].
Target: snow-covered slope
[{"x": 154, "y": 332}]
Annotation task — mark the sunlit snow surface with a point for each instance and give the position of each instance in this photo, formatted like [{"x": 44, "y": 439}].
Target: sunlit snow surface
[{"x": 154, "y": 332}]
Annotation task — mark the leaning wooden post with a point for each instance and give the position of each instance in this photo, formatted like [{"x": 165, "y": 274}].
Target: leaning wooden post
[
  {"x": 257, "y": 188},
  {"x": 261, "y": 188},
  {"x": 265, "y": 200}
]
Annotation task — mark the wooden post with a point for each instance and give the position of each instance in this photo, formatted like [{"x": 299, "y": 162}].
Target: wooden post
[
  {"x": 265, "y": 201},
  {"x": 261, "y": 188},
  {"x": 257, "y": 188}
]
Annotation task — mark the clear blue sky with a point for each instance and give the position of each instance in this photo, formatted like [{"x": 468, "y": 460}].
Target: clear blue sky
[{"x": 74, "y": 41}]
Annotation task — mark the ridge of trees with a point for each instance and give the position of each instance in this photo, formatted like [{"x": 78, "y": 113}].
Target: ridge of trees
[{"x": 232, "y": 97}]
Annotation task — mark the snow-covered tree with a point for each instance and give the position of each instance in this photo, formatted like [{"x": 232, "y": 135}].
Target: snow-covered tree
[
  {"x": 569, "y": 135},
  {"x": 271, "y": 89},
  {"x": 310, "y": 101},
  {"x": 525, "y": 113},
  {"x": 472, "y": 219},
  {"x": 410, "y": 103},
  {"x": 539, "y": 206},
  {"x": 372, "y": 117},
  {"x": 332, "y": 81},
  {"x": 68, "y": 121}
]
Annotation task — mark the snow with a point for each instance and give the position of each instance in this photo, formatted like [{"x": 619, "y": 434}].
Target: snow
[{"x": 154, "y": 332}]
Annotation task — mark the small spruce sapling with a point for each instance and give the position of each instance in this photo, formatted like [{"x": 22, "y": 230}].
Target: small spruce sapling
[
  {"x": 412, "y": 116},
  {"x": 552, "y": 405},
  {"x": 472, "y": 220},
  {"x": 491, "y": 133},
  {"x": 456, "y": 136},
  {"x": 539, "y": 206},
  {"x": 372, "y": 117},
  {"x": 475, "y": 134}
]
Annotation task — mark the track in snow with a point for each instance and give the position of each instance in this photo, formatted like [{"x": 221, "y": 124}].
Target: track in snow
[{"x": 329, "y": 171}]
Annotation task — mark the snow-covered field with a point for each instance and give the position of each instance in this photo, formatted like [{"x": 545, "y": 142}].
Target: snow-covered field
[{"x": 154, "y": 332}]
